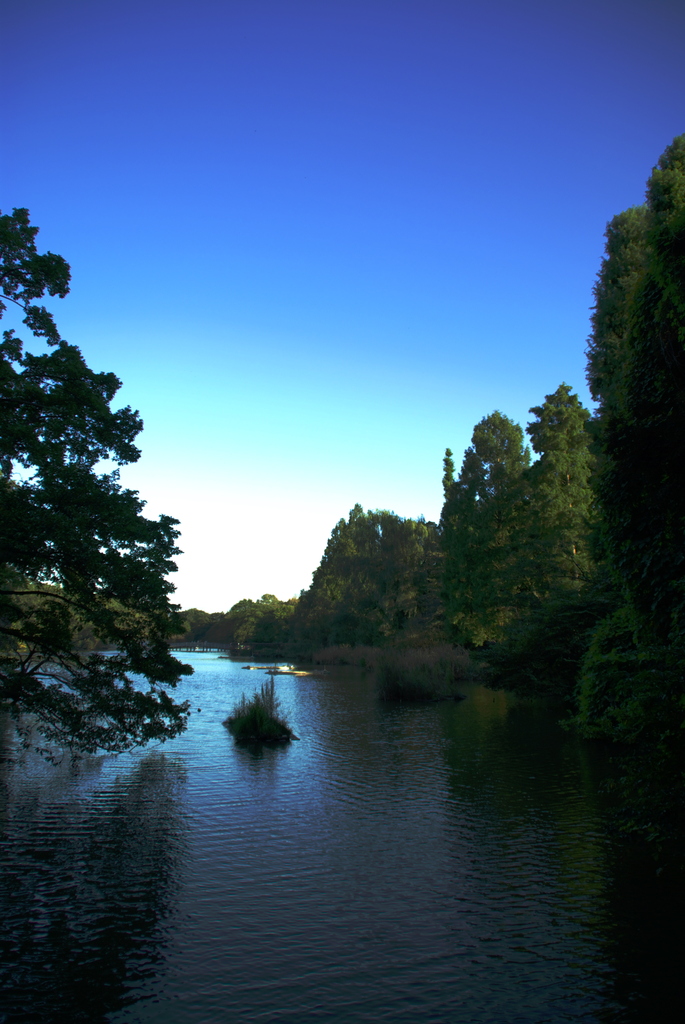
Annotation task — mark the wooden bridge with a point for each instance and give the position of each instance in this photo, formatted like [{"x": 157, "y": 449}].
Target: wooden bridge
[
  {"x": 247, "y": 650},
  {"x": 198, "y": 645}
]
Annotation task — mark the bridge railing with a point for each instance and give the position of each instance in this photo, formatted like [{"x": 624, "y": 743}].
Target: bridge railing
[{"x": 191, "y": 645}]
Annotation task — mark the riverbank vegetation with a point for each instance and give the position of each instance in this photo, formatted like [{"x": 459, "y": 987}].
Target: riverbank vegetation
[
  {"x": 258, "y": 719},
  {"x": 406, "y": 673},
  {"x": 421, "y": 673}
]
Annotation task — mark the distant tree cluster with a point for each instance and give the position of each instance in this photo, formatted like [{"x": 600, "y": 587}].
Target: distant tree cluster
[
  {"x": 378, "y": 583},
  {"x": 265, "y": 621}
]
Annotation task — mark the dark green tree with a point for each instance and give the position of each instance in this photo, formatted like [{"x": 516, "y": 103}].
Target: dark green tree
[
  {"x": 560, "y": 597},
  {"x": 642, "y": 437},
  {"x": 198, "y": 623},
  {"x": 560, "y": 496},
  {"x": 265, "y": 621},
  {"x": 448, "y": 472},
  {"x": 480, "y": 521},
  {"x": 378, "y": 583},
  {"x": 632, "y": 686},
  {"x": 75, "y": 550},
  {"x": 620, "y": 275}
]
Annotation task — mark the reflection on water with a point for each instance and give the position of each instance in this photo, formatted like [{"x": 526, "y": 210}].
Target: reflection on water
[
  {"x": 447, "y": 862},
  {"x": 88, "y": 877}
]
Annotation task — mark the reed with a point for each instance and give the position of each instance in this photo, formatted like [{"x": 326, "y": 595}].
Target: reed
[
  {"x": 258, "y": 718},
  {"x": 420, "y": 673}
]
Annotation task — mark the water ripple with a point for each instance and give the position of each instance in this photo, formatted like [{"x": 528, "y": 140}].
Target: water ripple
[{"x": 445, "y": 863}]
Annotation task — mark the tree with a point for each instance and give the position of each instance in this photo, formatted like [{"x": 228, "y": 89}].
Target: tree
[
  {"x": 75, "y": 550},
  {"x": 479, "y": 521},
  {"x": 560, "y": 503},
  {"x": 377, "y": 584},
  {"x": 560, "y": 595},
  {"x": 641, "y": 433},
  {"x": 197, "y": 623},
  {"x": 619, "y": 278},
  {"x": 448, "y": 472},
  {"x": 632, "y": 684},
  {"x": 264, "y": 621}
]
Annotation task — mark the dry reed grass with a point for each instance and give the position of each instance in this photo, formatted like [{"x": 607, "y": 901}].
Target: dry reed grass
[
  {"x": 420, "y": 673},
  {"x": 405, "y": 673}
]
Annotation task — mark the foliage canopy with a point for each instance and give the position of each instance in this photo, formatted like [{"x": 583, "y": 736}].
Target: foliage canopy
[
  {"x": 632, "y": 684},
  {"x": 378, "y": 583},
  {"x": 75, "y": 549},
  {"x": 479, "y": 521}
]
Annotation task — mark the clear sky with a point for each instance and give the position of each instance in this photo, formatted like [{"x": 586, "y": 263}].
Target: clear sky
[{"x": 318, "y": 240}]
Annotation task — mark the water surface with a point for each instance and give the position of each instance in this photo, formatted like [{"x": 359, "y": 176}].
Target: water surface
[{"x": 445, "y": 862}]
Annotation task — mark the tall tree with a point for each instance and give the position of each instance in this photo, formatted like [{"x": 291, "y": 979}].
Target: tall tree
[
  {"x": 479, "y": 521},
  {"x": 632, "y": 685},
  {"x": 448, "y": 473},
  {"x": 642, "y": 425},
  {"x": 621, "y": 273},
  {"x": 560, "y": 597},
  {"x": 75, "y": 550},
  {"x": 560, "y": 497}
]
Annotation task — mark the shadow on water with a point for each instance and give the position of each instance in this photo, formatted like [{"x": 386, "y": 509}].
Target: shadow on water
[
  {"x": 644, "y": 936},
  {"x": 88, "y": 878},
  {"x": 587, "y": 910}
]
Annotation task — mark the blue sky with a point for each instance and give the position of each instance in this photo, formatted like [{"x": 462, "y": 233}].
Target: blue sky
[{"x": 318, "y": 240}]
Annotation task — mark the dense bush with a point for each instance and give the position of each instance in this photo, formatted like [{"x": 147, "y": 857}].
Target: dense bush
[
  {"x": 542, "y": 652},
  {"x": 631, "y": 689}
]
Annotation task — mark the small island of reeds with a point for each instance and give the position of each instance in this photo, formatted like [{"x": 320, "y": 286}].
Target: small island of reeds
[{"x": 257, "y": 719}]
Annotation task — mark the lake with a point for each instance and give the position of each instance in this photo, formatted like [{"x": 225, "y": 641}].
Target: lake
[{"x": 444, "y": 862}]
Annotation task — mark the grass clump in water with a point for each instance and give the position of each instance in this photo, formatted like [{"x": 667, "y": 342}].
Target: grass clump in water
[
  {"x": 258, "y": 718},
  {"x": 427, "y": 673}
]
